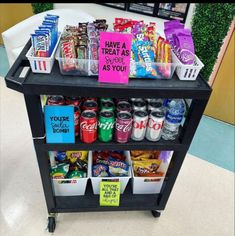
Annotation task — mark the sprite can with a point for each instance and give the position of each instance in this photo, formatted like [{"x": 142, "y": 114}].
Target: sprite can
[
  {"x": 107, "y": 106},
  {"x": 105, "y": 126}
]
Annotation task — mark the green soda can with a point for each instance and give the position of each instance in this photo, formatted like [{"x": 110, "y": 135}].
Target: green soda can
[
  {"x": 105, "y": 100},
  {"x": 107, "y": 106},
  {"x": 105, "y": 126}
]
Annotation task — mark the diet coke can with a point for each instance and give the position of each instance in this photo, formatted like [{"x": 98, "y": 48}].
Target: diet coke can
[
  {"x": 77, "y": 113},
  {"x": 140, "y": 120},
  {"x": 88, "y": 126},
  {"x": 123, "y": 127},
  {"x": 55, "y": 100},
  {"x": 139, "y": 105},
  {"x": 154, "y": 105},
  {"x": 123, "y": 106},
  {"x": 90, "y": 105},
  {"x": 155, "y": 124}
]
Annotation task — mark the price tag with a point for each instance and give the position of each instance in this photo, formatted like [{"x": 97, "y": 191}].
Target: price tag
[{"x": 109, "y": 193}]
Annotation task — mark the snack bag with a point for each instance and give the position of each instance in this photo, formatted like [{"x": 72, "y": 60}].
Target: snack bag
[
  {"x": 118, "y": 168},
  {"x": 100, "y": 170},
  {"x": 73, "y": 156},
  {"x": 76, "y": 174},
  {"x": 59, "y": 171},
  {"x": 147, "y": 168}
]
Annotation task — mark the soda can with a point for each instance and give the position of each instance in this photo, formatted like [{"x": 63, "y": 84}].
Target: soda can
[
  {"x": 55, "y": 100},
  {"x": 123, "y": 106},
  {"x": 117, "y": 100},
  {"x": 77, "y": 113},
  {"x": 139, "y": 105},
  {"x": 123, "y": 126},
  {"x": 90, "y": 98},
  {"x": 105, "y": 100},
  {"x": 133, "y": 99},
  {"x": 106, "y": 126},
  {"x": 155, "y": 123},
  {"x": 90, "y": 105},
  {"x": 154, "y": 105},
  {"x": 107, "y": 105},
  {"x": 76, "y": 101},
  {"x": 140, "y": 120},
  {"x": 88, "y": 126}
]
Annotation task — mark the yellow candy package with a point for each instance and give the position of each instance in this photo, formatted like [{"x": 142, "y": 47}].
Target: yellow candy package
[
  {"x": 73, "y": 156},
  {"x": 147, "y": 168}
]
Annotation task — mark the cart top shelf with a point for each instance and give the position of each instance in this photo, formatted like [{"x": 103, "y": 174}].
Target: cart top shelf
[{"x": 56, "y": 83}]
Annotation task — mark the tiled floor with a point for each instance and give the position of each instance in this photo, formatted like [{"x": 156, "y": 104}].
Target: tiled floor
[
  {"x": 4, "y": 65},
  {"x": 201, "y": 203}
]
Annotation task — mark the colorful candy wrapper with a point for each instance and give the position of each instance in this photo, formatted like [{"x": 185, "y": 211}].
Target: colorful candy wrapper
[
  {"x": 118, "y": 168},
  {"x": 59, "y": 171},
  {"x": 147, "y": 168},
  {"x": 100, "y": 170},
  {"x": 74, "y": 156},
  {"x": 76, "y": 174}
]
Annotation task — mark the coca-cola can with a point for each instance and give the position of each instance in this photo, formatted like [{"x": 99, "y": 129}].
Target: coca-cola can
[
  {"x": 155, "y": 123},
  {"x": 76, "y": 101},
  {"x": 89, "y": 98},
  {"x": 88, "y": 126},
  {"x": 123, "y": 106},
  {"x": 154, "y": 105},
  {"x": 139, "y": 105},
  {"x": 77, "y": 113},
  {"x": 123, "y": 127},
  {"x": 140, "y": 120},
  {"x": 90, "y": 105},
  {"x": 55, "y": 100}
]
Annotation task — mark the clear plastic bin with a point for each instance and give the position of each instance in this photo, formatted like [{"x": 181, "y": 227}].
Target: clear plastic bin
[{"x": 86, "y": 67}]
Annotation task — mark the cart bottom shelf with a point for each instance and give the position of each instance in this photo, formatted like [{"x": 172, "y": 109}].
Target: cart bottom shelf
[{"x": 90, "y": 202}]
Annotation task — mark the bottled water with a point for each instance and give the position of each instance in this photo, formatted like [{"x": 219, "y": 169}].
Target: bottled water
[{"x": 174, "y": 115}]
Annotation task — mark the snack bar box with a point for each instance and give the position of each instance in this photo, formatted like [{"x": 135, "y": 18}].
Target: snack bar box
[
  {"x": 96, "y": 180},
  {"x": 150, "y": 185}
]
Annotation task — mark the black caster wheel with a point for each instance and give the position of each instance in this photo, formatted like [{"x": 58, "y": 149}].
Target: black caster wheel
[
  {"x": 51, "y": 224},
  {"x": 156, "y": 214}
]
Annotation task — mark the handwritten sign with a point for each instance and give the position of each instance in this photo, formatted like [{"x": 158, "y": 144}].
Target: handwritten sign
[
  {"x": 59, "y": 123},
  {"x": 114, "y": 57},
  {"x": 109, "y": 193}
]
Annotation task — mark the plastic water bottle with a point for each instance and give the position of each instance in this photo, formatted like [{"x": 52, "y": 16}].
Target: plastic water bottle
[{"x": 174, "y": 115}]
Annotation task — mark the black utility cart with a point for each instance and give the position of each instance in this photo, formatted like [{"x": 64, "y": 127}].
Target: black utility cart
[{"x": 34, "y": 85}]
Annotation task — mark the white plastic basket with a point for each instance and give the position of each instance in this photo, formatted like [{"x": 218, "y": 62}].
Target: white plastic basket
[
  {"x": 96, "y": 180},
  {"x": 42, "y": 64},
  {"x": 187, "y": 72},
  {"x": 149, "y": 185},
  {"x": 69, "y": 187}
]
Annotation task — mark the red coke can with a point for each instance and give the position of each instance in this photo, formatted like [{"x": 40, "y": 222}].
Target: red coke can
[
  {"x": 76, "y": 101},
  {"x": 123, "y": 126},
  {"x": 55, "y": 100},
  {"x": 77, "y": 113},
  {"x": 88, "y": 126},
  {"x": 90, "y": 105}
]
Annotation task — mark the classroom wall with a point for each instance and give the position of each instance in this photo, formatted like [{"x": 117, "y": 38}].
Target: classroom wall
[
  {"x": 221, "y": 103},
  {"x": 99, "y": 11},
  {"x": 11, "y": 14}
]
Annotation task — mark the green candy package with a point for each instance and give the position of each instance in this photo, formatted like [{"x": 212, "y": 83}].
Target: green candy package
[
  {"x": 76, "y": 174},
  {"x": 59, "y": 171}
]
